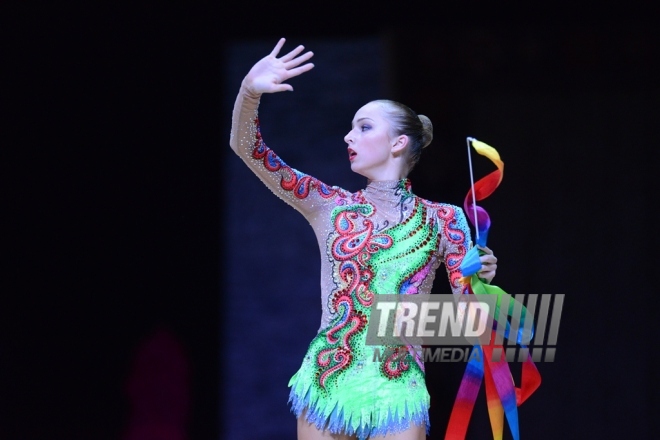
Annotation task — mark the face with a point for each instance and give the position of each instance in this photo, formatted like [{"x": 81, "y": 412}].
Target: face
[{"x": 370, "y": 142}]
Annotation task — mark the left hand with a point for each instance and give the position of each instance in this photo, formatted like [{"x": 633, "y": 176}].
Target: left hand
[{"x": 488, "y": 264}]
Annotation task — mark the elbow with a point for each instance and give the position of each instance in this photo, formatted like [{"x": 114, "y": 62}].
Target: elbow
[{"x": 233, "y": 144}]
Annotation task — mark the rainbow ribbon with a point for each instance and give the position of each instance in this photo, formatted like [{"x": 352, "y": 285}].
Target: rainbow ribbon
[{"x": 489, "y": 364}]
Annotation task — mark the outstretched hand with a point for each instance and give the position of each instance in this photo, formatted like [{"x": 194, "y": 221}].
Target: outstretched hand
[
  {"x": 269, "y": 74},
  {"x": 488, "y": 264}
]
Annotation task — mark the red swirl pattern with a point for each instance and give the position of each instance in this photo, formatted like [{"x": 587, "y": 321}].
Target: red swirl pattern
[
  {"x": 351, "y": 249},
  {"x": 298, "y": 183},
  {"x": 454, "y": 236},
  {"x": 396, "y": 363},
  {"x": 343, "y": 357},
  {"x": 356, "y": 280}
]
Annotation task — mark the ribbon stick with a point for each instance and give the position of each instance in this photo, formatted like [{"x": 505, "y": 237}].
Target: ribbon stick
[
  {"x": 490, "y": 364},
  {"x": 482, "y": 189}
]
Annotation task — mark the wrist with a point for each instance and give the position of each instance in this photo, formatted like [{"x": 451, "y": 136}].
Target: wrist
[{"x": 249, "y": 91}]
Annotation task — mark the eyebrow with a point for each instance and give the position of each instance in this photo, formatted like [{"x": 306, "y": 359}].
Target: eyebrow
[{"x": 361, "y": 119}]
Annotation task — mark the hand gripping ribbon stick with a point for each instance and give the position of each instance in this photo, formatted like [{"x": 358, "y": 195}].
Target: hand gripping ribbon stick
[{"x": 502, "y": 396}]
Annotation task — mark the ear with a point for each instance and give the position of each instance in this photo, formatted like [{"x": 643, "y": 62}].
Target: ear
[{"x": 399, "y": 144}]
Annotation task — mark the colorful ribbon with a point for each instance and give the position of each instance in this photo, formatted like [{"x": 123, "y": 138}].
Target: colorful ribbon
[{"x": 490, "y": 364}]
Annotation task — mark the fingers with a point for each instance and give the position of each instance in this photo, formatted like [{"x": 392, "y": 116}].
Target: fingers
[
  {"x": 485, "y": 249},
  {"x": 488, "y": 260},
  {"x": 302, "y": 69},
  {"x": 287, "y": 66},
  {"x": 278, "y": 47},
  {"x": 487, "y": 273},
  {"x": 291, "y": 55},
  {"x": 297, "y": 61},
  {"x": 488, "y": 268},
  {"x": 488, "y": 264}
]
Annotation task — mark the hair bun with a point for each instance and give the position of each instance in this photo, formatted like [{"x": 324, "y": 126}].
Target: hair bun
[{"x": 428, "y": 130}]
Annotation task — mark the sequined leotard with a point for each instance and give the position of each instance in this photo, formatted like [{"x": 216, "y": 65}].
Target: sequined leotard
[{"x": 380, "y": 240}]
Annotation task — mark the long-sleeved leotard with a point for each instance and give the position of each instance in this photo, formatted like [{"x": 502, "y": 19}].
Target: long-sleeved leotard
[{"x": 380, "y": 240}]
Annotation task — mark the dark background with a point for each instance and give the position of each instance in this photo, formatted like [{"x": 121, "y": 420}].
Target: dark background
[{"x": 113, "y": 143}]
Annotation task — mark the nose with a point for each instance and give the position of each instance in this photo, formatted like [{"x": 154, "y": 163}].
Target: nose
[{"x": 348, "y": 138}]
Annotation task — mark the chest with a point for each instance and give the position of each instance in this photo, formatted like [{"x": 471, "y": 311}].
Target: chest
[{"x": 389, "y": 255}]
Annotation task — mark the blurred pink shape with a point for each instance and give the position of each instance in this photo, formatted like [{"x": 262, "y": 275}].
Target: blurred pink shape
[{"x": 158, "y": 389}]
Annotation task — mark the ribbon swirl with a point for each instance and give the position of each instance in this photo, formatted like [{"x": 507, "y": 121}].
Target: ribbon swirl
[{"x": 490, "y": 363}]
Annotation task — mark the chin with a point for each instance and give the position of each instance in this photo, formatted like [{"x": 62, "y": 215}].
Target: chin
[{"x": 356, "y": 169}]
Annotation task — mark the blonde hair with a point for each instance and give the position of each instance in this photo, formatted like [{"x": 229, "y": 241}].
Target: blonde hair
[{"x": 405, "y": 121}]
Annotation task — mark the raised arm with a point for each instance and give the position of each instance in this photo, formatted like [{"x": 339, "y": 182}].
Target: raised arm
[{"x": 268, "y": 75}]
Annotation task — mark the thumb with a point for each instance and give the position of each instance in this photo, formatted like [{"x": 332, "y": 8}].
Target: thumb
[{"x": 284, "y": 88}]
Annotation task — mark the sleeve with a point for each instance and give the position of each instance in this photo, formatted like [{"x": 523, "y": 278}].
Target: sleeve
[
  {"x": 305, "y": 193},
  {"x": 454, "y": 243}
]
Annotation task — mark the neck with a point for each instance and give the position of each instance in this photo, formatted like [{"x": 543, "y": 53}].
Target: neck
[
  {"x": 389, "y": 196},
  {"x": 402, "y": 182},
  {"x": 390, "y": 190}
]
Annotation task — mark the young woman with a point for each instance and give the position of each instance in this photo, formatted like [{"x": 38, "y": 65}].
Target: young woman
[{"x": 380, "y": 240}]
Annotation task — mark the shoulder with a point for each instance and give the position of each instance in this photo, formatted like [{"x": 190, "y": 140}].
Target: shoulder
[
  {"x": 449, "y": 216},
  {"x": 303, "y": 185},
  {"x": 333, "y": 190},
  {"x": 445, "y": 211},
  {"x": 337, "y": 194}
]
